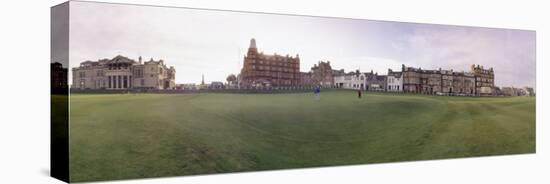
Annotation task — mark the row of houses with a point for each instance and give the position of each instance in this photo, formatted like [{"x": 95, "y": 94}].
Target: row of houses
[
  {"x": 266, "y": 71},
  {"x": 513, "y": 91},
  {"x": 477, "y": 82}
]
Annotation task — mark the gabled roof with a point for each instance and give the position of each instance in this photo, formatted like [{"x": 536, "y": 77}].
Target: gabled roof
[
  {"x": 121, "y": 59},
  {"x": 395, "y": 74}
]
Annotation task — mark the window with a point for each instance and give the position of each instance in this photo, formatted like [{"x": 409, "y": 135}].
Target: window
[
  {"x": 119, "y": 81},
  {"x": 142, "y": 82},
  {"x": 125, "y": 80},
  {"x": 140, "y": 73}
]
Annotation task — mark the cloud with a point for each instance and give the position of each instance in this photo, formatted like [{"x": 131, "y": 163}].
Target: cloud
[
  {"x": 213, "y": 43},
  {"x": 509, "y": 52}
]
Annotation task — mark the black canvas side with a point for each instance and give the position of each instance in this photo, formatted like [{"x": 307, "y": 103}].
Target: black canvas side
[{"x": 59, "y": 104}]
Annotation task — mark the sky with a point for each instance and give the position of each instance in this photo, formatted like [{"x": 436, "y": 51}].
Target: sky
[{"x": 213, "y": 43}]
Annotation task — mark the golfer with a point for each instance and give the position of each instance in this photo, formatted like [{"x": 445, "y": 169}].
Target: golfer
[{"x": 317, "y": 93}]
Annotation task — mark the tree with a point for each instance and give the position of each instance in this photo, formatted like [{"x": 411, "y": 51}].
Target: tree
[{"x": 231, "y": 79}]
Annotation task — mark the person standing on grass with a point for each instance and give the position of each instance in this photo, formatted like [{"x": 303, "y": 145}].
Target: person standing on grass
[
  {"x": 317, "y": 92},
  {"x": 359, "y": 93}
]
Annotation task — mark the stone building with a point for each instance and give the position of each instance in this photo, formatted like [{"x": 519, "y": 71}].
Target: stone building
[
  {"x": 322, "y": 74},
  {"x": 510, "y": 91},
  {"x": 484, "y": 80},
  {"x": 375, "y": 82},
  {"x": 123, "y": 73},
  {"x": 513, "y": 91},
  {"x": 306, "y": 79},
  {"x": 416, "y": 80},
  {"x": 262, "y": 70},
  {"x": 446, "y": 82},
  {"x": 463, "y": 83},
  {"x": 395, "y": 81}
]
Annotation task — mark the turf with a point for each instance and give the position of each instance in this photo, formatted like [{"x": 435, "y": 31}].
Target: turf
[{"x": 123, "y": 136}]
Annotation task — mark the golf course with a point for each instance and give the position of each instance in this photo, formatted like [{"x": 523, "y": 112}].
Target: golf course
[{"x": 119, "y": 136}]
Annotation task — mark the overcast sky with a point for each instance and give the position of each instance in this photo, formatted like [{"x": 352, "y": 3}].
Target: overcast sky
[{"x": 213, "y": 43}]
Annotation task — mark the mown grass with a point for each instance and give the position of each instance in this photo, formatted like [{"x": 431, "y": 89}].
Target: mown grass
[{"x": 149, "y": 135}]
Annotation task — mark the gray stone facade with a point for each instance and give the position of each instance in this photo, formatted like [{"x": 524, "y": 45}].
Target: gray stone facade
[
  {"x": 477, "y": 82},
  {"x": 121, "y": 73}
]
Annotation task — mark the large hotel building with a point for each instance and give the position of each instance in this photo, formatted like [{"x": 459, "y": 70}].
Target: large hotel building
[
  {"x": 269, "y": 70},
  {"x": 123, "y": 73}
]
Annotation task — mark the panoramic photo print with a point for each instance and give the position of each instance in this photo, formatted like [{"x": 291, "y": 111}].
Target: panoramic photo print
[{"x": 161, "y": 91}]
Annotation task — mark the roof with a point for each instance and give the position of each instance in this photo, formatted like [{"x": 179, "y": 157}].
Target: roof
[
  {"x": 121, "y": 59},
  {"x": 395, "y": 74}
]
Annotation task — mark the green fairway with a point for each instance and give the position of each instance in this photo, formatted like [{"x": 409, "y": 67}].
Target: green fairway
[{"x": 120, "y": 136}]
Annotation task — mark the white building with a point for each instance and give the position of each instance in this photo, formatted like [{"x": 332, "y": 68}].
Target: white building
[
  {"x": 352, "y": 80},
  {"x": 395, "y": 81}
]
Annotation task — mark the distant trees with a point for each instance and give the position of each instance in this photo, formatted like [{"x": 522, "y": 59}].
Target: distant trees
[{"x": 231, "y": 79}]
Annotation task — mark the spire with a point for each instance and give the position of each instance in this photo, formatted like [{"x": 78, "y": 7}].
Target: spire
[
  {"x": 253, "y": 43},
  {"x": 252, "y": 50},
  {"x": 202, "y": 82}
]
